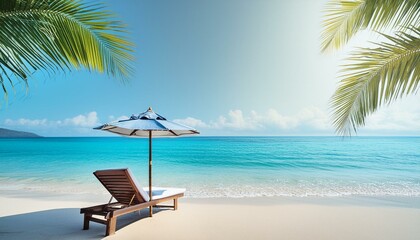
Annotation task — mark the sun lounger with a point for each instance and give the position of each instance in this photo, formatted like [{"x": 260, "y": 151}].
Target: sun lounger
[{"x": 129, "y": 198}]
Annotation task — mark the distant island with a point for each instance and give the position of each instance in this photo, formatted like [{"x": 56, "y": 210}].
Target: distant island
[{"x": 7, "y": 133}]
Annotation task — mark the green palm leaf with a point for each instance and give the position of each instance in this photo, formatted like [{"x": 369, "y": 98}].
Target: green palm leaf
[
  {"x": 60, "y": 35},
  {"x": 344, "y": 18},
  {"x": 376, "y": 77}
]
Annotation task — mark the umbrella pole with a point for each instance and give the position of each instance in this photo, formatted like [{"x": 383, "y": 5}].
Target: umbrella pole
[{"x": 150, "y": 173}]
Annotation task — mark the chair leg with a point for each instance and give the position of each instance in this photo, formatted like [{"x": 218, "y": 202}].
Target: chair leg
[
  {"x": 110, "y": 226},
  {"x": 175, "y": 203},
  {"x": 86, "y": 221},
  {"x": 151, "y": 211}
]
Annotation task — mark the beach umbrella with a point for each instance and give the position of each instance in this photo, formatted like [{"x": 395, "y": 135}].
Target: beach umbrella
[{"x": 147, "y": 124}]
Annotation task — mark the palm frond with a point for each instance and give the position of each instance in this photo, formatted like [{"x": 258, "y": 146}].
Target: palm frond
[
  {"x": 60, "y": 35},
  {"x": 375, "y": 77},
  {"x": 344, "y": 18}
]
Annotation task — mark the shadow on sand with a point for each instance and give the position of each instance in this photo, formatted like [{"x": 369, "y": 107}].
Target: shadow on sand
[{"x": 64, "y": 223}]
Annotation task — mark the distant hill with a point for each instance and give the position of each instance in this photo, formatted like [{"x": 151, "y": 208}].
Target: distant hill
[{"x": 7, "y": 133}]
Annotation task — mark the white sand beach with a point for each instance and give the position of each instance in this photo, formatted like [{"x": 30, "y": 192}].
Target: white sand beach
[{"x": 52, "y": 217}]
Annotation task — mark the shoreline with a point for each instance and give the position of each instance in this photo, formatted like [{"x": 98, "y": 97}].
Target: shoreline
[{"x": 351, "y": 200}]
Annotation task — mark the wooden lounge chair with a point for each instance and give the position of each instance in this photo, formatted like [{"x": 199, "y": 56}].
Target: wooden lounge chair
[{"x": 129, "y": 198}]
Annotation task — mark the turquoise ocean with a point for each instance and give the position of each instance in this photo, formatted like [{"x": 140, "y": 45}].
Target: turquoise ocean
[{"x": 219, "y": 166}]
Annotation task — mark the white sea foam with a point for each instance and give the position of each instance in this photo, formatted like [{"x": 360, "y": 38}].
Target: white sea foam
[{"x": 209, "y": 190}]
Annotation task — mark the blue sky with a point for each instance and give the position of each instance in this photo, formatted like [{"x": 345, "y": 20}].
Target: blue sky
[{"x": 225, "y": 67}]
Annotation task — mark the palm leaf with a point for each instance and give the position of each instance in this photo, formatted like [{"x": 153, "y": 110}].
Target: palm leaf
[
  {"x": 376, "y": 77},
  {"x": 344, "y": 18},
  {"x": 60, "y": 35}
]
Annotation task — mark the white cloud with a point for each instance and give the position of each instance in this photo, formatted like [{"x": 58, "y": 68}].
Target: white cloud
[
  {"x": 88, "y": 120},
  {"x": 192, "y": 122},
  {"x": 238, "y": 121},
  {"x": 315, "y": 118},
  {"x": 399, "y": 119},
  {"x": 403, "y": 115},
  {"x": 394, "y": 120},
  {"x": 274, "y": 118},
  {"x": 26, "y": 122},
  {"x": 112, "y": 118}
]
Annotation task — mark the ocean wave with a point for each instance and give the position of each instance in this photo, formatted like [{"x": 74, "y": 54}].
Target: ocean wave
[{"x": 300, "y": 189}]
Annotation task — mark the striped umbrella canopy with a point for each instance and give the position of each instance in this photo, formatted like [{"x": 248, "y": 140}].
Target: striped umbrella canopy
[{"x": 148, "y": 124}]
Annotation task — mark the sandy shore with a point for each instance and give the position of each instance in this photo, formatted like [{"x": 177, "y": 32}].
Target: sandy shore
[{"x": 44, "y": 217}]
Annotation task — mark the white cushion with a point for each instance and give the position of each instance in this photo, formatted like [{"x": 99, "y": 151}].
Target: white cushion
[{"x": 162, "y": 192}]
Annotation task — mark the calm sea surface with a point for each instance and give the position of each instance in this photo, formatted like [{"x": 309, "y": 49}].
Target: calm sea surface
[{"x": 220, "y": 166}]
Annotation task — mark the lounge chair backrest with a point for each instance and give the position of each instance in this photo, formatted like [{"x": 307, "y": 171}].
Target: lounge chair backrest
[{"x": 122, "y": 186}]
